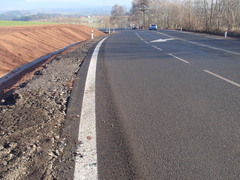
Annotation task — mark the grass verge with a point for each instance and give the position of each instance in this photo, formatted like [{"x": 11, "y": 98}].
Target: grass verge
[{"x": 21, "y": 23}]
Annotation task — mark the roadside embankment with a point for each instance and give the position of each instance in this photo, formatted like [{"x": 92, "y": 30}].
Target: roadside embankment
[
  {"x": 34, "y": 127},
  {"x": 23, "y": 44}
]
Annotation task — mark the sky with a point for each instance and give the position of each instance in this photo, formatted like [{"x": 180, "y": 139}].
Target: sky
[{"x": 54, "y": 4}]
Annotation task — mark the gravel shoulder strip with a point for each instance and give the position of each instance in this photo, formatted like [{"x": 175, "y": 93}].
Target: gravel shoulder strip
[{"x": 35, "y": 137}]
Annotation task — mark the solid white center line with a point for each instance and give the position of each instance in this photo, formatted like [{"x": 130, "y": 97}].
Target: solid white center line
[
  {"x": 180, "y": 59},
  {"x": 157, "y": 48},
  {"x": 222, "y": 78},
  {"x": 86, "y": 159}
]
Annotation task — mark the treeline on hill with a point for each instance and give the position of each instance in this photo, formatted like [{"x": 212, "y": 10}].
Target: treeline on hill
[
  {"x": 9, "y": 15},
  {"x": 36, "y": 17},
  {"x": 213, "y": 16}
]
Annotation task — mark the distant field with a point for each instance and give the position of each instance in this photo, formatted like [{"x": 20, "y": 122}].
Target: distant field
[{"x": 21, "y": 23}]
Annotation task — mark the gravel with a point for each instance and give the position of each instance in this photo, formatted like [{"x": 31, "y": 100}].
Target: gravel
[{"x": 33, "y": 118}]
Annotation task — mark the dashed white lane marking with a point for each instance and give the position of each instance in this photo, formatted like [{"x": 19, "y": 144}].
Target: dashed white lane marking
[
  {"x": 139, "y": 36},
  {"x": 86, "y": 159},
  {"x": 222, "y": 78},
  {"x": 157, "y": 48},
  {"x": 180, "y": 59},
  {"x": 202, "y": 45},
  {"x": 199, "y": 44}
]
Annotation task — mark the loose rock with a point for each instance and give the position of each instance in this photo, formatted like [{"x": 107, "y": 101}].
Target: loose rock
[{"x": 33, "y": 117}]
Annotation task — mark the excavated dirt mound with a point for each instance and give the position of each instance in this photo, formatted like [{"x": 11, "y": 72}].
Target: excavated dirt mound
[{"x": 20, "y": 45}]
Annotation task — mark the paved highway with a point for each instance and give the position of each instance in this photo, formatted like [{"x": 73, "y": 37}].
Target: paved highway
[{"x": 168, "y": 106}]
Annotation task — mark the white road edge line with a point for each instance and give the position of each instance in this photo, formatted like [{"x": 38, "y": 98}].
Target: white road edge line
[
  {"x": 146, "y": 42},
  {"x": 86, "y": 167},
  {"x": 222, "y": 78},
  {"x": 180, "y": 59},
  {"x": 157, "y": 48}
]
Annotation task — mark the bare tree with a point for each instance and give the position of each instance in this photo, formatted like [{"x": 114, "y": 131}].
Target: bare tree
[
  {"x": 197, "y": 15},
  {"x": 138, "y": 12},
  {"x": 143, "y": 7},
  {"x": 118, "y": 16}
]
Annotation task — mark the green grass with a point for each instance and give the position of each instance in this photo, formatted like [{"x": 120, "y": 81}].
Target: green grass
[{"x": 21, "y": 23}]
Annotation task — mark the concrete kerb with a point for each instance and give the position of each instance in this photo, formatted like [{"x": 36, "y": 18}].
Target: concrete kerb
[{"x": 22, "y": 68}]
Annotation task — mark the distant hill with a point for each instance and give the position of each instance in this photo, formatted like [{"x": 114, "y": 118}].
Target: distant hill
[
  {"x": 40, "y": 16},
  {"x": 80, "y": 11},
  {"x": 28, "y": 14},
  {"x": 9, "y": 15}
]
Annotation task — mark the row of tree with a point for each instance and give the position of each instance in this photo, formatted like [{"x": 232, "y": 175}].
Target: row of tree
[
  {"x": 39, "y": 16},
  {"x": 203, "y": 15}
]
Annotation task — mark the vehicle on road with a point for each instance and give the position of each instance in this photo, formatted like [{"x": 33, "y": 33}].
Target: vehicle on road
[
  {"x": 134, "y": 26},
  {"x": 153, "y": 27}
]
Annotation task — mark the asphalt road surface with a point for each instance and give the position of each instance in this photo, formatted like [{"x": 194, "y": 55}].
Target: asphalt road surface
[{"x": 168, "y": 106}]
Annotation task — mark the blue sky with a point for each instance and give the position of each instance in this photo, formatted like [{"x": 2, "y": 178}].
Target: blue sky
[{"x": 52, "y": 4}]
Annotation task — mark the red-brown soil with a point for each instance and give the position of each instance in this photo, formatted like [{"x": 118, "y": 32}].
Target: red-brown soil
[{"x": 20, "y": 45}]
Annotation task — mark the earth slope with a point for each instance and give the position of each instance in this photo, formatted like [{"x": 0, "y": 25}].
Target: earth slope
[{"x": 20, "y": 45}]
